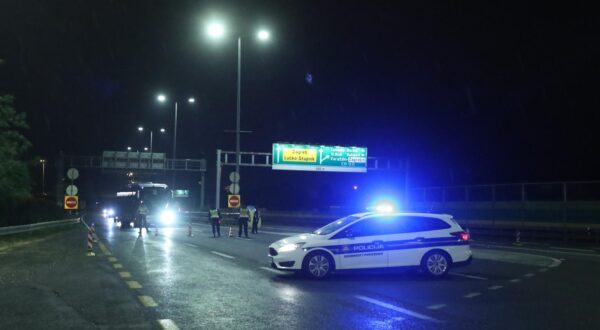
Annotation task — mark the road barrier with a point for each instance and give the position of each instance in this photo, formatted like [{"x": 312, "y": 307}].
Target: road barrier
[
  {"x": 95, "y": 238},
  {"x": 90, "y": 243},
  {"x": 36, "y": 226}
]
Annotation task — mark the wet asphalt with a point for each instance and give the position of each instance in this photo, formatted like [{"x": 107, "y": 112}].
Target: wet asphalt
[{"x": 199, "y": 282}]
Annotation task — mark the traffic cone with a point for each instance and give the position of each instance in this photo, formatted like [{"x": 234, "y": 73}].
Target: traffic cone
[
  {"x": 230, "y": 231},
  {"x": 90, "y": 244},
  {"x": 94, "y": 237}
]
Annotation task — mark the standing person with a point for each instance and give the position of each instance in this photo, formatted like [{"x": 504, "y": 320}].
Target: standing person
[
  {"x": 215, "y": 222},
  {"x": 142, "y": 212},
  {"x": 251, "y": 213},
  {"x": 243, "y": 222},
  {"x": 255, "y": 221}
]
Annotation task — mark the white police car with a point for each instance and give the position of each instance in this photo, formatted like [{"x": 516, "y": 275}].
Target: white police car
[{"x": 433, "y": 242}]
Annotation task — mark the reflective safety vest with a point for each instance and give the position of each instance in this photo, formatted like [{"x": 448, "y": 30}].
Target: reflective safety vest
[
  {"x": 244, "y": 213},
  {"x": 143, "y": 210},
  {"x": 214, "y": 213}
]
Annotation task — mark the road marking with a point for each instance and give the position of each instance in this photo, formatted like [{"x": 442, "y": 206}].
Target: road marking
[
  {"x": 168, "y": 324},
  {"x": 438, "y": 306},
  {"x": 191, "y": 245},
  {"x": 278, "y": 233},
  {"x": 117, "y": 266},
  {"x": 529, "y": 275},
  {"x": 398, "y": 318},
  {"x": 536, "y": 250},
  {"x": 468, "y": 276},
  {"x": 147, "y": 301},
  {"x": 222, "y": 255},
  {"x": 125, "y": 274},
  {"x": 397, "y": 309},
  {"x": 112, "y": 259},
  {"x": 104, "y": 249},
  {"x": 495, "y": 287},
  {"x": 134, "y": 284},
  {"x": 569, "y": 249},
  {"x": 274, "y": 271},
  {"x": 472, "y": 295},
  {"x": 543, "y": 270},
  {"x": 515, "y": 280}
]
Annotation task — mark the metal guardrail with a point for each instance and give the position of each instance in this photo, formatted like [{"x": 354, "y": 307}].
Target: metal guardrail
[{"x": 35, "y": 226}]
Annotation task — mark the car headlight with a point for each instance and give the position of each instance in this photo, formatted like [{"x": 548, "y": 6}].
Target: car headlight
[
  {"x": 167, "y": 216},
  {"x": 290, "y": 247},
  {"x": 111, "y": 212}
]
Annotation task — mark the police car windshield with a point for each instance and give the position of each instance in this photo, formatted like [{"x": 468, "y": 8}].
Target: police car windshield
[{"x": 337, "y": 224}]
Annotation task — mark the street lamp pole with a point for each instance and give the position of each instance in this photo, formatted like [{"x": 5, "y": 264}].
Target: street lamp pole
[
  {"x": 151, "y": 139},
  {"x": 43, "y": 161},
  {"x": 239, "y": 110},
  {"x": 175, "y": 134}
]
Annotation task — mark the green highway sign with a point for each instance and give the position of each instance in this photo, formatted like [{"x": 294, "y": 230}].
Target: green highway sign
[{"x": 299, "y": 157}]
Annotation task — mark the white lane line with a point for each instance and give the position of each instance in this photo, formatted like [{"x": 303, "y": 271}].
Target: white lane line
[
  {"x": 279, "y": 272},
  {"x": 472, "y": 295},
  {"x": 278, "y": 233},
  {"x": 495, "y": 287},
  {"x": 168, "y": 324},
  {"x": 529, "y": 275},
  {"x": 438, "y": 306},
  {"x": 468, "y": 276},
  {"x": 535, "y": 250},
  {"x": 397, "y": 309},
  {"x": 222, "y": 255},
  {"x": 515, "y": 280},
  {"x": 398, "y": 318},
  {"x": 569, "y": 249},
  {"x": 543, "y": 270},
  {"x": 191, "y": 245}
]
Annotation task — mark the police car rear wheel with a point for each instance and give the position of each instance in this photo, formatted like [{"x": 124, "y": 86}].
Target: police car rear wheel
[
  {"x": 436, "y": 263},
  {"x": 318, "y": 265}
]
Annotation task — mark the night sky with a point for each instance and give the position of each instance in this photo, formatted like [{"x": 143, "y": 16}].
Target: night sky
[{"x": 470, "y": 92}]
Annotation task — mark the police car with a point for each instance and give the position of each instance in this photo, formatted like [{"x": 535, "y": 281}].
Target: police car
[{"x": 433, "y": 242}]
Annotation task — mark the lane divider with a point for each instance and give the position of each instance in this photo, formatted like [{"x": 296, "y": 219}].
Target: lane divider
[
  {"x": 472, "y": 295},
  {"x": 276, "y": 271},
  {"x": 167, "y": 324},
  {"x": 529, "y": 275},
  {"x": 147, "y": 301},
  {"x": 435, "y": 307},
  {"x": 125, "y": 274},
  {"x": 222, "y": 255},
  {"x": 468, "y": 276},
  {"x": 133, "y": 284},
  {"x": 398, "y": 309},
  {"x": 117, "y": 266},
  {"x": 495, "y": 287},
  {"x": 112, "y": 259},
  {"x": 515, "y": 280}
]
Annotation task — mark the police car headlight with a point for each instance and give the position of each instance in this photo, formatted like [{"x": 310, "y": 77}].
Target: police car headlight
[
  {"x": 167, "y": 217},
  {"x": 110, "y": 212},
  {"x": 290, "y": 247}
]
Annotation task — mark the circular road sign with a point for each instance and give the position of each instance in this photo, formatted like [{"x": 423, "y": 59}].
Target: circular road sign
[
  {"x": 72, "y": 190},
  {"x": 234, "y": 177},
  {"x": 233, "y": 200},
  {"x": 234, "y": 188},
  {"x": 72, "y": 173},
  {"x": 71, "y": 202}
]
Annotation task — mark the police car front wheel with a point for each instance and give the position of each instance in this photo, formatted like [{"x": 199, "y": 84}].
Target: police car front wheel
[
  {"x": 318, "y": 265},
  {"x": 436, "y": 263}
]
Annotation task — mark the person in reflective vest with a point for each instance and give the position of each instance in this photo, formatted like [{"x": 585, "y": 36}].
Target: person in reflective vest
[
  {"x": 142, "y": 212},
  {"x": 215, "y": 222},
  {"x": 243, "y": 222}
]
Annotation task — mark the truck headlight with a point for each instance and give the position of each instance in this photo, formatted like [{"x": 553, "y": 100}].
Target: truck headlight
[
  {"x": 167, "y": 217},
  {"x": 290, "y": 247}
]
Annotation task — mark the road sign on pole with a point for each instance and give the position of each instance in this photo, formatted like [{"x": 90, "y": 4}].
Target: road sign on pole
[
  {"x": 72, "y": 190},
  {"x": 234, "y": 188},
  {"x": 72, "y": 174},
  {"x": 298, "y": 157},
  {"x": 233, "y": 201},
  {"x": 71, "y": 202},
  {"x": 234, "y": 177}
]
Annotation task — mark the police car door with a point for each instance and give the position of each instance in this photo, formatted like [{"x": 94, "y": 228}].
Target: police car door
[
  {"x": 416, "y": 235},
  {"x": 361, "y": 245}
]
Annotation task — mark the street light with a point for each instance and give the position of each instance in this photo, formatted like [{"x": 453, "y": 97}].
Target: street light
[
  {"x": 216, "y": 30},
  {"x": 141, "y": 129},
  {"x": 162, "y": 99},
  {"x": 43, "y": 162},
  {"x": 128, "y": 148}
]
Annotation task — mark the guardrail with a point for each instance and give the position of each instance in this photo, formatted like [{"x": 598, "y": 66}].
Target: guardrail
[{"x": 35, "y": 226}]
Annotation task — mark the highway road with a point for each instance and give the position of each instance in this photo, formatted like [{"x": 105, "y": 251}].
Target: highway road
[{"x": 175, "y": 281}]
